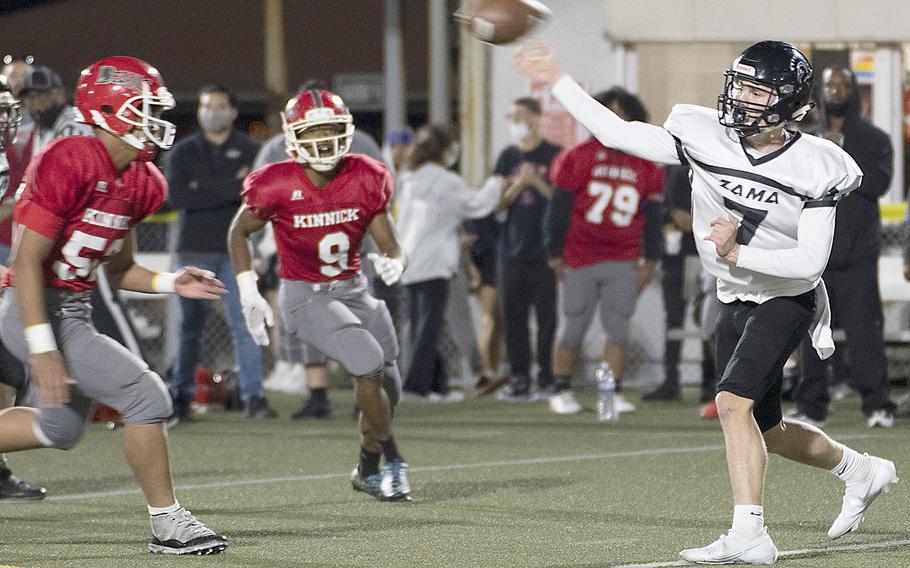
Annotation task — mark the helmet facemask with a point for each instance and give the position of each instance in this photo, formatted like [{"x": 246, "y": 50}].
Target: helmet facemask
[
  {"x": 10, "y": 118},
  {"x": 145, "y": 111},
  {"x": 323, "y": 152}
]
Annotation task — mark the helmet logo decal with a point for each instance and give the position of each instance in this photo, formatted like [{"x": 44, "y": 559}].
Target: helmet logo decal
[
  {"x": 744, "y": 69},
  {"x": 108, "y": 74},
  {"x": 802, "y": 71}
]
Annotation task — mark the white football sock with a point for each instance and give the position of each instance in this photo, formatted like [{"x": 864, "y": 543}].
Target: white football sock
[
  {"x": 853, "y": 466},
  {"x": 161, "y": 510},
  {"x": 748, "y": 520}
]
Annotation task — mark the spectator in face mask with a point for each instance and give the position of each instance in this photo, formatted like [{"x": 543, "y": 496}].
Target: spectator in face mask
[
  {"x": 851, "y": 275},
  {"x": 44, "y": 99},
  {"x": 205, "y": 173},
  {"x": 525, "y": 278}
]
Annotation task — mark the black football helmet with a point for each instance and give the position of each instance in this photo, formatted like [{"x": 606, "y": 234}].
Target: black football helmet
[
  {"x": 10, "y": 114},
  {"x": 778, "y": 66}
]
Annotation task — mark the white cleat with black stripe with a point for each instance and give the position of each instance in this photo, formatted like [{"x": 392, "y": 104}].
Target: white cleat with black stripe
[
  {"x": 181, "y": 533},
  {"x": 859, "y": 495}
]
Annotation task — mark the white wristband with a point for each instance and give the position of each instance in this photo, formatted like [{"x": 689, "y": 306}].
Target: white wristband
[
  {"x": 246, "y": 282},
  {"x": 40, "y": 338},
  {"x": 165, "y": 282}
]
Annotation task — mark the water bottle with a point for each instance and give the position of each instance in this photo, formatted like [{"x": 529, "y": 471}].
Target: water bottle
[{"x": 606, "y": 391}]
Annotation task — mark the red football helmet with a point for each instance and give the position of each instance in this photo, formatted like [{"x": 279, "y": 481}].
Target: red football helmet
[
  {"x": 120, "y": 93},
  {"x": 317, "y": 108}
]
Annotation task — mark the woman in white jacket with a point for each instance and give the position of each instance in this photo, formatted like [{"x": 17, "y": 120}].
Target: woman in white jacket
[{"x": 432, "y": 203}]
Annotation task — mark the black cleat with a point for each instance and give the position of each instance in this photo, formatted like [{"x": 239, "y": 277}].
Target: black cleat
[
  {"x": 320, "y": 409},
  {"x": 14, "y": 489}
]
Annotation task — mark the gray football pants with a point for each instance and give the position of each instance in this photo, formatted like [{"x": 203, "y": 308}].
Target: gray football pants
[
  {"x": 343, "y": 321},
  {"x": 104, "y": 370}
]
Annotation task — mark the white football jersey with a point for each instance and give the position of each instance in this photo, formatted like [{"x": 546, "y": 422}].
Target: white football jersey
[
  {"x": 785, "y": 200},
  {"x": 65, "y": 125},
  {"x": 767, "y": 193}
]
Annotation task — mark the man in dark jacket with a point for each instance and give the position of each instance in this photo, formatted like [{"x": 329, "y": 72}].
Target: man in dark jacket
[
  {"x": 205, "y": 175},
  {"x": 852, "y": 273}
]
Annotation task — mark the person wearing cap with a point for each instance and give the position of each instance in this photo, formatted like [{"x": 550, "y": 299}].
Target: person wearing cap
[{"x": 44, "y": 99}]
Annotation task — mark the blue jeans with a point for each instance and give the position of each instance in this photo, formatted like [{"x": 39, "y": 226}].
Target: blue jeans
[{"x": 194, "y": 313}]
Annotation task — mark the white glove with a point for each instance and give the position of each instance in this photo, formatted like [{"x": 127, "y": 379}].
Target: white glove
[
  {"x": 256, "y": 310},
  {"x": 389, "y": 269}
]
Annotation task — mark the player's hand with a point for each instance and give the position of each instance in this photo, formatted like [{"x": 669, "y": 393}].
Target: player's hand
[
  {"x": 558, "y": 267},
  {"x": 535, "y": 59},
  {"x": 388, "y": 268},
  {"x": 645, "y": 275},
  {"x": 198, "y": 284},
  {"x": 723, "y": 235},
  {"x": 258, "y": 314},
  {"x": 52, "y": 378}
]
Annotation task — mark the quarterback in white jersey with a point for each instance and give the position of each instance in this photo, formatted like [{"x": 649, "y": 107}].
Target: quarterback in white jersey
[{"x": 763, "y": 207}]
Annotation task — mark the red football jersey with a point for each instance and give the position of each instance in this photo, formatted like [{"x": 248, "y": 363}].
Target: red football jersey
[
  {"x": 610, "y": 187},
  {"x": 318, "y": 231},
  {"x": 74, "y": 195}
]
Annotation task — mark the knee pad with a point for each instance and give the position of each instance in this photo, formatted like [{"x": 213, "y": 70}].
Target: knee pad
[
  {"x": 361, "y": 353},
  {"x": 148, "y": 400},
  {"x": 61, "y": 427},
  {"x": 571, "y": 331}
]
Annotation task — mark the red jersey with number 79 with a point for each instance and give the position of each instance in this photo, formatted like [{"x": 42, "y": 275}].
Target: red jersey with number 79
[
  {"x": 611, "y": 187},
  {"x": 318, "y": 231},
  {"x": 73, "y": 194}
]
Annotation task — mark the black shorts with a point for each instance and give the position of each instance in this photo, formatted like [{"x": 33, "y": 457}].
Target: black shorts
[
  {"x": 486, "y": 265},
  {"x": 754, "y": 342}
]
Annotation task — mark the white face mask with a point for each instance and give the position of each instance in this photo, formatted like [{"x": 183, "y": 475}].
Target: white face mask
[
  {"x": 518, "y": 131},
  {"x": 215, "y": 120}
]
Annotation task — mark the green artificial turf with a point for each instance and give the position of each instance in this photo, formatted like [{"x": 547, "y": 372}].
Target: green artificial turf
[{"x": 494, "y": 484}]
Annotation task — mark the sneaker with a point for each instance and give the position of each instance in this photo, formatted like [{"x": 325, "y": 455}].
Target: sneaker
[
  {"x": 622, "y": 405},
  {"x": 564, "y": 403},
  {"x": 666, "y": 391},
  {"x": 709, "y": 410},
  {"x": 731, "y": 548},
  {"x": 369, "y": 484},
  {"x": 180, "y": 533},
  {"x": 797, "y": 415},
  {"x": 859, "y": 495},
  {"x": 486, "y": 385},
  {"x": 258, "y": 408},
  {"x": 451, "y": 396},
  {"x": 518, "y": 389},
  {"x": 319, "y": 409},
  {"x": 394, "y": 485},
  {"x": 14, "y": 489},
  {"x": 287, "y": 377},
  {"x": 881, "y": 419}
]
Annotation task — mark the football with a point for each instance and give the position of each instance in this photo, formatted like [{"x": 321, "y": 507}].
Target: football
[{"x": 503, "y": 21}]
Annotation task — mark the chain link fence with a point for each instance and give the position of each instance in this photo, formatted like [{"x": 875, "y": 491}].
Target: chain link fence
[{"x": 156, "y": 319}]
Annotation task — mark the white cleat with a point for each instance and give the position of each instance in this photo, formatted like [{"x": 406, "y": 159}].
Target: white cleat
[
  {"x": 622, "y": 405},
  {"x": 731, "y": 548},
  {"x": 564, "y": 403},
  {"x": 860, "y": 494},
  {"x": 881, "y": 419}
]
